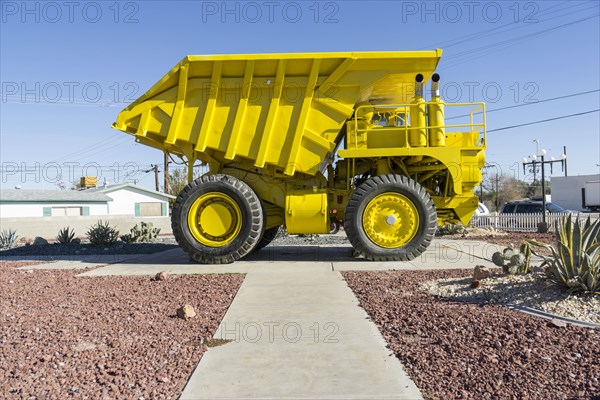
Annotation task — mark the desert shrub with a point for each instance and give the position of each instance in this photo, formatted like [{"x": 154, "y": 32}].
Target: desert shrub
[
  {"x": 65, "y": 236},
  {"x": 8, "y": 239},
  {"x": 102, "y": 234},
  {"x": 451, "y": 229}
]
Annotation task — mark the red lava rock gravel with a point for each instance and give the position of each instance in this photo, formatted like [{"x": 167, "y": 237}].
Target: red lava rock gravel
[
  {"x": 16, "y": 264},
  {"x": 466, "y": 351},
  {"x": 64, "y": 336}
]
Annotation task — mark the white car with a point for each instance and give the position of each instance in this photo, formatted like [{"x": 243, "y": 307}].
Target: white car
[{"x": 482, "y": 210}]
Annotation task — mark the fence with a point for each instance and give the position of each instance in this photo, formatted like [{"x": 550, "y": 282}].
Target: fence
[{"x": 524, "y": 222}]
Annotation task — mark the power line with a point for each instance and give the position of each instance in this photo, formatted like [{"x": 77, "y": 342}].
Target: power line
[
  {"x": 543, "y": 120},
  {"x": 122, "y": 145},
  {"x": 545, "y": 100},
  {"x": 488, "y": 49},
  {"x": 483, "y": 34},
  {"x": 528, "y": 104},
  {"x": 488, "y": 32},
  {"x": 91, "y": 148},
  {"x": 466, "y": 55}
]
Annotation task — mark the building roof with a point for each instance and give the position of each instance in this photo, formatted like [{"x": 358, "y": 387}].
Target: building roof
[
  {"x": 41, "y": 196},
  {"x": 591, "y": 178},
  {"x": 94, "y": 195},
  {"x": 112, "y": 188}
]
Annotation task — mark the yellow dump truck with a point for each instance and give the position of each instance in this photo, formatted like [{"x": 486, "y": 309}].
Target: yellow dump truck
[{"x": 299, "y": 139}]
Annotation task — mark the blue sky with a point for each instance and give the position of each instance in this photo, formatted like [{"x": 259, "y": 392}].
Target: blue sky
[{"x": 68, "y": 68}]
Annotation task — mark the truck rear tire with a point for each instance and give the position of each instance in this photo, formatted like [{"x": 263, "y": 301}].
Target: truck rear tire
[
  {"x": 267, "y": 238},
  {"x": 217, "y": 219},
  {"x": 334, "y": 226},
  {"x": 390, "y": 218}
]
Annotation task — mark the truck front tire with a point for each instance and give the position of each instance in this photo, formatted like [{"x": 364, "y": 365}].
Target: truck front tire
[{"x": 390, "y": 218}]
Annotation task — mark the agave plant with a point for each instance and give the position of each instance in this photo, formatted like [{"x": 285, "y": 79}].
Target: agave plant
[
  {"x": 8, "y": 239},
  {"x": 65, "y": 236},
  {"x": 575, "y": 264}
]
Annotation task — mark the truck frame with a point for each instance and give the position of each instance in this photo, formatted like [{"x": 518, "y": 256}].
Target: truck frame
[{"x": 297, "y": 139}]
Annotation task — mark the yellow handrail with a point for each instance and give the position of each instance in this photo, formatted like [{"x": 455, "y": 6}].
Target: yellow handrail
[{"x": 479, "y": 108}]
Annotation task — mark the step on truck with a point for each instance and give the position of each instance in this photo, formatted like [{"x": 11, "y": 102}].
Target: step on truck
[{"x": 297, "y": 139}]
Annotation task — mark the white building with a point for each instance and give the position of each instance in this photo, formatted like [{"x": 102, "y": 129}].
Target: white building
[
  {"x": 44, "y": 212},
  {"x": 122, "y": 200},
  {"x": 567, "y": 190}
]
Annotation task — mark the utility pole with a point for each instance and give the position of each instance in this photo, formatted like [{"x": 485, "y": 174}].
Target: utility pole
[
  {"x": 565, "y": 153},
  {"x": 485, "y": 167},
  {"x": 156, "y": 177},
  {"x": 497, "y": 191},
  {"x": 166, "y": 169},
  {"x": 481, "y": 191},
  {"x": 543, "y": 191}
]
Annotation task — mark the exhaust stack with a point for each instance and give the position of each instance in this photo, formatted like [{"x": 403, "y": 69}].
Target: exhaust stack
[
  {"x": 417, "y": 135},
  {"x": 435, "y": 86},
  {"x": 419, "y": 85},
  {"x": 435, "y": 115}
]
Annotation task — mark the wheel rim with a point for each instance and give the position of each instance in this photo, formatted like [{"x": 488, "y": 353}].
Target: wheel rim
[
  {"x": 215, "y": 219},
  {"x": 390, "y": 220}
]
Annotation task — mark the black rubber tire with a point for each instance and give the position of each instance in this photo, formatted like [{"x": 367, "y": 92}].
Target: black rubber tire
[
  {"x": 252, "y": 219},
  {"x": 269, "y": 235},
  {"x": 334, "y": 226},
  {"x": 353, "y": 222}
]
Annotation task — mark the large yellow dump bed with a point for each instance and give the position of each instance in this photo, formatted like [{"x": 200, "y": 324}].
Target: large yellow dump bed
[{"x": 282, "y": 110}]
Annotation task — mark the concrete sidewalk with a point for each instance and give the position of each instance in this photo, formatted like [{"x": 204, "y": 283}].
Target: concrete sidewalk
[
  {"x": 297, "y": 332},
  {"x": 71, "y": 261},
  {"x": 442, "y": 254}
]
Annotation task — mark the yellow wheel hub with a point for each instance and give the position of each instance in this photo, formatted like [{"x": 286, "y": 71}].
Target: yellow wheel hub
[
  {"x": 215, "y": 219},
  {"x": 390, "y": 220}
]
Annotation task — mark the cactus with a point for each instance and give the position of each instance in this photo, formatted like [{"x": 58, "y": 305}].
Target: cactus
[
  {"x": 127, "y": 238},
  {"x": 498, "y": 259},
  {"x": 508, "y": 252},
  {"x": 141, "y": 234},
  {"x": 511, "y": 269},
  {"x": 513, "y": 263},
  {"x": 518, "y": 260}
]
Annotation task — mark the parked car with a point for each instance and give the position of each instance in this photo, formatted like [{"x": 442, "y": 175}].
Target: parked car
[
  {"x": 522, "y": 214},
  {"x": 481, "y": 218},
  {"x": 482, "y": 210},
  {"x": 530, "y": 207}
]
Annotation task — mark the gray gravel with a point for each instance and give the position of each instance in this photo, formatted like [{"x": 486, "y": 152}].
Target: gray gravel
[
  {"x": 530, "y": 290},
  {"x": 87, "y": 249},
  {"x": 312, "y": 240}
]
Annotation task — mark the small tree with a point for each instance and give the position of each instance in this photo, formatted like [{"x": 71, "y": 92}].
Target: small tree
[
  {"x": 503, "y": 189},
  {"x": 535, "y": 188},
  {"x": 178, "y": 179}
]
